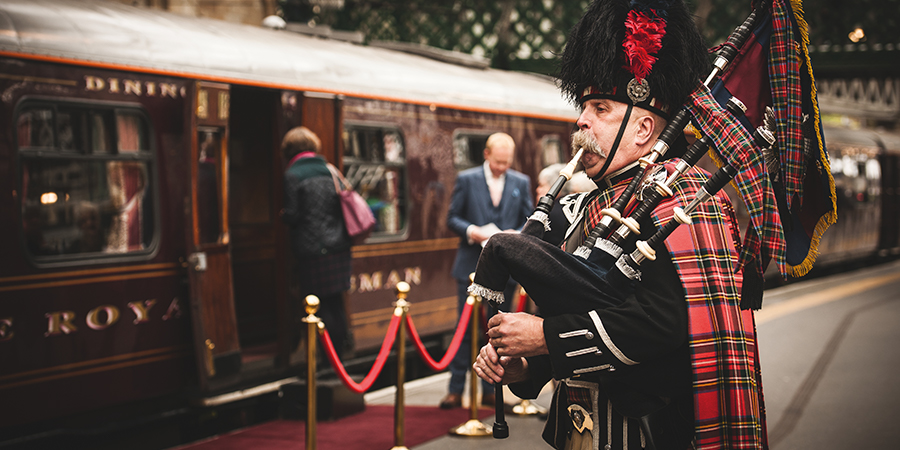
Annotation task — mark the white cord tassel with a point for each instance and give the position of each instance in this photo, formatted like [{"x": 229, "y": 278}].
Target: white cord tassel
[
  {"x": 486, "y": 293},
  {"x": 541, "y": 217}
]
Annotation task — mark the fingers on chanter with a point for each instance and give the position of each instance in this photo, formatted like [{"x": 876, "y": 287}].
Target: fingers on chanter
[
  {"x": 491, "y": 354},
  {"x": 492, "y": 362},
  {"x": 483, "y": 371}
]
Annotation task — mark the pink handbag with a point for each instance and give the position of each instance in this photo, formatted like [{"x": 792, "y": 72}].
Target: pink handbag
[{"x": 358, "y": 217}]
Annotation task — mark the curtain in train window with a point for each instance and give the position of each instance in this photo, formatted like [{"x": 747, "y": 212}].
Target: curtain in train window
[
  {"x": 85, "y": 174},
  {"x": 375, "y": 164}
]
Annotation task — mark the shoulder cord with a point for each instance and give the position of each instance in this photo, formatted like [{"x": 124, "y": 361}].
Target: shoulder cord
[{"x": 615, "y": 147}]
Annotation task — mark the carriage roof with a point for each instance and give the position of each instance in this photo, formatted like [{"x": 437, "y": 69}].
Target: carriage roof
[
  {"x": 107, "y": 34},
  {"x": 846, "y": 136}
]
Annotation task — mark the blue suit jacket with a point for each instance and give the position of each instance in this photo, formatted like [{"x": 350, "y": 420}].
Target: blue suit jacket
[{"x": 471, "y": 204}]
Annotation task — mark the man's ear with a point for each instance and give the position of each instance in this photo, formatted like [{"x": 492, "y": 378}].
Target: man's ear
[{"x": 645, "y": 128}]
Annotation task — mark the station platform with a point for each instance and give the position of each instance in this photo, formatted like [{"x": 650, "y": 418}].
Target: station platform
[{"x": 828, "y": 349}]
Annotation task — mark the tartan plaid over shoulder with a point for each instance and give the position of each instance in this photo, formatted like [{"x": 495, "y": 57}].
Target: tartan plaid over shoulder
[
  {"x": 734, "y": 146},
  {"x": 728, "y": 399}
]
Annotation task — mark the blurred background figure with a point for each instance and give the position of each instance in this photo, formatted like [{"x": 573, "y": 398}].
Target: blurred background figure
[
  {"x": 485, "y": 199},
  {"x": 579, "y": 183},
  {"x": 319, "y": 240}
]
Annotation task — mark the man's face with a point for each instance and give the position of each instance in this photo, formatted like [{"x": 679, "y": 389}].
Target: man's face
[
  {"x": 499, "y": 158},
  {"x": 600, "y": 119}
]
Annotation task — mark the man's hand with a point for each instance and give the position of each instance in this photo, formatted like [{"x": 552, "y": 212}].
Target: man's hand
[
  {"x": 517, "y": 335},
  {"x": 495, "y": 369},
  {"x": 478, "y": 235}
]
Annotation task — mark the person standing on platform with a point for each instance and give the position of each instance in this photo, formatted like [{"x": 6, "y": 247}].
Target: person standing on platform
[
  {"x": 672, "y": 366},
  {"x": 319, "y": 239},
  {"x": 578, "y": 183},
  {"x": 485, "y": 199}
]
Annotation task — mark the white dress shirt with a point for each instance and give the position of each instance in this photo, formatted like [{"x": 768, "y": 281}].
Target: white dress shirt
[{"x": 495, "y": 187}]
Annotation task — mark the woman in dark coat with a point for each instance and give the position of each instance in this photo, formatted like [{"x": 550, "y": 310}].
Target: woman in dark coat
[{"x": 319, "y": 240}]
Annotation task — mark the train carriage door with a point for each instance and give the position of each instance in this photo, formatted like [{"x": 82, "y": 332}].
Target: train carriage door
[
  {"x": 322, "y": 115},
  {"x": 212, "y": 302}
]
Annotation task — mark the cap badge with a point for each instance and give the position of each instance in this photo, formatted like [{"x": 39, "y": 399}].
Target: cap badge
[{"x": 638, "y": 91}]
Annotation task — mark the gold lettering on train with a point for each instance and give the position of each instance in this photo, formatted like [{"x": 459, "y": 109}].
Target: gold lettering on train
[
  {"x": 142, "y": 310},
  {"x": 174, "y": 310},
  {"x": 60, "y": 322},
  {"x": 223, "y": 105},
  {"x": 392, "y": 279},
  {"x": 6, "y": 332},
  {"x": 98, "y": 319},
  {"x": 133, "y": 87},
  {"x": 92, "y": 83},
  {"x": 369, "y": 283},
  {"x": 413, "y": 275},
  {"x": 168, "y": 89},
  {"x": 375, "y": 281},
  {"x": 111, "y": 316}
]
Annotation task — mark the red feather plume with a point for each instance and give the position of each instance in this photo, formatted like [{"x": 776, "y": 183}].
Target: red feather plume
[{"x": 643, "y": 38}]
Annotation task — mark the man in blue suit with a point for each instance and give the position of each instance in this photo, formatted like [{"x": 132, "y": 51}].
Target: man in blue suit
[{"x": 485, "y": 199}]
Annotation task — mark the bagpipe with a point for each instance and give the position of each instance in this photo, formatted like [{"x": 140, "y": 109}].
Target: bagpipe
[{"x": 560, "y": 282}]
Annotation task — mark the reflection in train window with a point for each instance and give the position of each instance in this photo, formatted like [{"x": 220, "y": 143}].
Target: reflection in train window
[
  {"x": 552, "y": 150},
  {"x": 208, "y": 183},
  {"x": 375, "y": 164},
  {"x": 85, "y": 181},
  {"x": 468, "y": 148},
  {"x": 857, "y": 175}
]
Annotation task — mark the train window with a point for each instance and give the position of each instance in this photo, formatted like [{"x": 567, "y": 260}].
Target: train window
[
  {"x": 375, "y": 164},
  {"x": 551, "y": 150},
  {"x": 208, "y": 185},
  {"x": 85, "y": 181},
  {"x": 36, "y": 129},
  {"x": 468, "y": 149},
  {"x": 857, "y": 175}
]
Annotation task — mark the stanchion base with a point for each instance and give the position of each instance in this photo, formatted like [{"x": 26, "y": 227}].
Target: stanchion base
[
  {"x": 526, "y": 408},
  {"x": 402, "y": 447},
  {"x": 473, "y": 428}
]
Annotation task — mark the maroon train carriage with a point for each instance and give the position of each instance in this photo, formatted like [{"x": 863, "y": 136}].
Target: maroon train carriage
[
  {"x": 865, "y": 165},
  {"x": 140, "y": 185}
]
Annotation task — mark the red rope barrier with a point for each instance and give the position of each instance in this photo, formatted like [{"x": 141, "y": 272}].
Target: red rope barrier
[
  {"x": 523, "y": 300},
  {"x": 379, "y": 362},
  {"x": 454, "y": 343}
]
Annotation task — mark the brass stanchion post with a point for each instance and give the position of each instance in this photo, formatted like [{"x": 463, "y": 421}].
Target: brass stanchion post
[
  {"x": 473, "y": 427},
  {"x": 401, "y": 308},
  {"x": 313, "y": 324},
  {"x": 526, "y": 408}
]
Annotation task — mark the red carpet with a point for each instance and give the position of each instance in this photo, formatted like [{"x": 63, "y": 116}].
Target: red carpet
[{"x": 370, "y": 429}]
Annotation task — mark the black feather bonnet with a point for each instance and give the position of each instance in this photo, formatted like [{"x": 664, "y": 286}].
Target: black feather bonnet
[{"x": 646, "y": 52}]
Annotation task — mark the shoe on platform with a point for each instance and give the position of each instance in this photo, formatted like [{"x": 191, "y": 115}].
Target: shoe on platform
[
  {"x": 451, "y": 401},
  {"x": 488, "y": 400}
]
